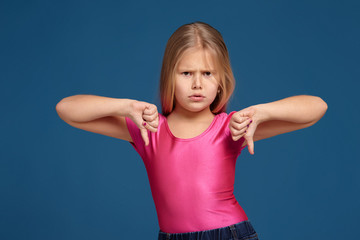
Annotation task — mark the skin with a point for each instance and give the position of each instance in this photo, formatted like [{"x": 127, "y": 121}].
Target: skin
[
  {"x": 256, "y": 122},
  {"x": 244, "y": 123},
  {"x": 196, "y": 74},
  {"x": 106, "y": 115},
  {"x": 145, "y": 116},
  {"x": 278, "y": 117}
]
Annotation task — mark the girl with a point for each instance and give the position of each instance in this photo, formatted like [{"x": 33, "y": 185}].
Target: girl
[{"x": 190, "y": 150}]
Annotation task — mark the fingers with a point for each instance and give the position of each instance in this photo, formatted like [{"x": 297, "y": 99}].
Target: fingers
[
  {"x": 150, "y": 109},
  {"x": 237, "y": 137},
  {"x": 152, "y": 122},
  {"x": 241, "y": 125},
  {"x": 151, "y": 118},
  {"x": 239, "y": 128},
  {"x": 147, "y": 119},
  {"x": 240, "y": 119}
]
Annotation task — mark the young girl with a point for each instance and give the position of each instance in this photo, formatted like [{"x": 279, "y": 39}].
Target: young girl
[{"x": 190, "y": 150}]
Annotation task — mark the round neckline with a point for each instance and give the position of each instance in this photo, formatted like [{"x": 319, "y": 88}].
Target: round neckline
[{"x": 193, "y": 138}]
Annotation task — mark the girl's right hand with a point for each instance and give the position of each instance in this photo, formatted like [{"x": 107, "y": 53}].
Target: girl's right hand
[{"x": 145, "y": 116}]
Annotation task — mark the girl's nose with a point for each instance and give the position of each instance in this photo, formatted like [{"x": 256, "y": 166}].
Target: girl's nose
[{"x": 196, "y": 81}]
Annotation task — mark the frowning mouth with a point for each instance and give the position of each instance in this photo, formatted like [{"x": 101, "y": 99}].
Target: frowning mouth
[{"x": 196, "y": 97}]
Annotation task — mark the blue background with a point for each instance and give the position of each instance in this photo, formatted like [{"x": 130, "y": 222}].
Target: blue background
[{"x": 60, "y": 182}]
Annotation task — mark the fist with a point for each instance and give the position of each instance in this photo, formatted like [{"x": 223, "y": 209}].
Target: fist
[
  {"x": 238, "y": 125},
  {"x": 244, "y": 123},
  {"x": 146, "y": 117}
]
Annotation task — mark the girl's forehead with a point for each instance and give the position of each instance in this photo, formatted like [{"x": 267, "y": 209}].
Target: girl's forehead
[{"x": 196, "y": 56}]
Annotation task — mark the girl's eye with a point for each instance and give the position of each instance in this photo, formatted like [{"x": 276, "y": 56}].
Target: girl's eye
[{"x": 206, "y": 73}]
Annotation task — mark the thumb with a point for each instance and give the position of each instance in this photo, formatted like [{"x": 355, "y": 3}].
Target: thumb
[
  {"x": 144, "y": 135},
  {"x": 250, "y": 143}
]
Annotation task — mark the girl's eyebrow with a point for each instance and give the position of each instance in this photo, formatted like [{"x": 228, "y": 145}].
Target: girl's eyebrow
[{"x": 189, "y": 69}]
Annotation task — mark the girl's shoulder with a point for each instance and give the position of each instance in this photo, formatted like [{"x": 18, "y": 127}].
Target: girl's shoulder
[{"x": 225, "y": 117}]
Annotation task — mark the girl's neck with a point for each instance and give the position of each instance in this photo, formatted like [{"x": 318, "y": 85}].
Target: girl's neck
[{"x": 186, "y": 116}]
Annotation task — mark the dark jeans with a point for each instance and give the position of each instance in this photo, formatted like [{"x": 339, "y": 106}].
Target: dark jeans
[{"x": 240, "y": 231}]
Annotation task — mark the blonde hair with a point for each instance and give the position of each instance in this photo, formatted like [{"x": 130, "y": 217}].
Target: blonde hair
[{"x": 196, "y": 34}]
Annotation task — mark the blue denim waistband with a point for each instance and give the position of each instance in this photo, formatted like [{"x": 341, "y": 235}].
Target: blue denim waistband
[{"x": 237, "y": 231}]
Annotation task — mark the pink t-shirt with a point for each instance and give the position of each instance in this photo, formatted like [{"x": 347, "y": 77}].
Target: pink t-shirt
[{"x": 192, "y": 180}]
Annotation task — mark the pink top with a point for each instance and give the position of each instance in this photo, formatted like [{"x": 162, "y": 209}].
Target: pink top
[{"x": 191, "y": 180}]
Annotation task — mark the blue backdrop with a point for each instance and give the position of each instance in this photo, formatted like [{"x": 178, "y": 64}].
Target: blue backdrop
[{"x": 60, "y": 182}]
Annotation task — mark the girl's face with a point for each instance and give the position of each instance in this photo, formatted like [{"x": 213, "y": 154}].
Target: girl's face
[{"x": 196, "y": 81}]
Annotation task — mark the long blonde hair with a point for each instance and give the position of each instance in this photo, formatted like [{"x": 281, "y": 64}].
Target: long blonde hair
[{"x": 196, "y": 34}]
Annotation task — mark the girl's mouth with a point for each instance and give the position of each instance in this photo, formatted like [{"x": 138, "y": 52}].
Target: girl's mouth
[{"x": 196, "y": 97}]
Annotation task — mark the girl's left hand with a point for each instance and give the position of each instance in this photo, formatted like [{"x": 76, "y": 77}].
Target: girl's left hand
[{"x": 244, "y": 123}]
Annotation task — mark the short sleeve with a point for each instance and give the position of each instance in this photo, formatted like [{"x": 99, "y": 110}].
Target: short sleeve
[
  {"x": 138, "y": 143},
  {"x": 239, "y": 142}
]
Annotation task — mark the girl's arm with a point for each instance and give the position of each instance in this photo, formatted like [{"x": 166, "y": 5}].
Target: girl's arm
[
  {"x": 85, "y": 108},
  {"x": 106, "y": 116},
  {"x": 301, "y": 110},
  {"x": 278, "y": 117}
]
